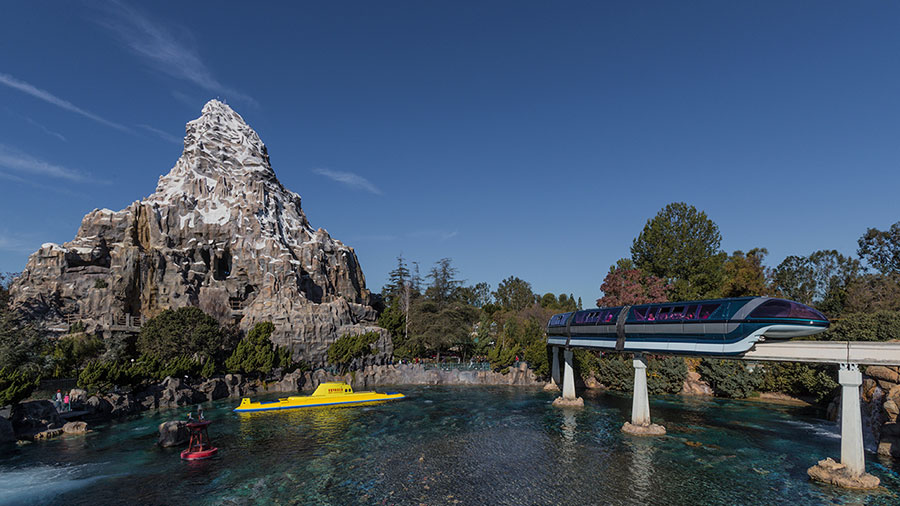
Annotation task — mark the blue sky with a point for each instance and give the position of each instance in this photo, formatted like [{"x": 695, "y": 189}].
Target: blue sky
[{"x": 518, "y": 138}]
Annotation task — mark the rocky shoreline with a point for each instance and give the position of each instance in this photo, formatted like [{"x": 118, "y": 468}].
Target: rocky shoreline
[{"x": 39, "y": 419}]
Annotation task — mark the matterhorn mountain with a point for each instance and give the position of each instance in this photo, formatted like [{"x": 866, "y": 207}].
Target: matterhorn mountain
[{"x": 220, "y": 232}]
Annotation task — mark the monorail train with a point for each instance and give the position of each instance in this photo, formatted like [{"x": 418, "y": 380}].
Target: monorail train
[{"x": 716, "y": 327}]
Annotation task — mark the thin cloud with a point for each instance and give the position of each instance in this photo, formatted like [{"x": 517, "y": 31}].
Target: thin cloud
[
  {"x": 162, "y": 134},
  {"x": 159, "y": 48},
  {"x": 20, "y": 162},
  {"x": 349, "y": 179},
  {"x": 440, "y": 235},
  {"x": 15, "y": 244},
  {"x": 46, "y": 130},
  {"x": 31, "y": 182},
  {"x": 46, "y": 96}
]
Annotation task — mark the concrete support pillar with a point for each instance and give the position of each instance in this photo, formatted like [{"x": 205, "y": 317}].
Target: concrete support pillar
[
  {"x": 554, "y": 368},
  {"x": 640, "y": 407},
  {"x": 852, "y": 451},
  {"x": 568, "y": 377}
]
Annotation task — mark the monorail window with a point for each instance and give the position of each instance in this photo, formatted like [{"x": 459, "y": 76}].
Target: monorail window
[
  {"x": 778, "y": 308},
  {"x": 610, "y": 315},
  {"x": 677, "y": 313},
  {"x": 592, "y": 317},
  {"x": 559, "y": 320},
  {"x": 706, "y": 310},
  {"x": 664, "y": 313},
  {"x": 691, "y": 312}
]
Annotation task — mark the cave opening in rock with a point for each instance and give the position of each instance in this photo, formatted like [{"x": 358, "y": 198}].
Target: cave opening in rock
[{"x": 222, "y": 267}]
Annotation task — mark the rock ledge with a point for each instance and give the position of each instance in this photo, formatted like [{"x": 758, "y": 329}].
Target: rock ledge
[{"x": 560, "y": 402}]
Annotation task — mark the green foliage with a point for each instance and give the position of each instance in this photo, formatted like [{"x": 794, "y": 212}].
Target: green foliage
[
  {"x": 393, "y": 320},
  {"x": 562, "y": 304},
  {"x": 350, "y": 347},
  {"x": 539, "y": 358},
  {"x": 729, "y": 378},
  {"x": 71, "y": 351},
  {"x": 665, "y": 375},
  {"x": 503, "y": 354},
  {"x": 800, "y": 380},
  {"x": 256, "y": 354},
  {"x": 815, "y": 279},
  {"x": 873, "y": 292},
  {"x": 436, "y": 328},
  {"x": 615, "y": 372},
  {"x": 877, "y": 326},
  {"x": 881, "y": 249},
  {"x": 20, "y": 344},
  {"x": 444, "y": 285},
  {"x": 745, "y": 275},
  {"x": 476, "y": 295},
  {"x": 184, "y": 331},
  {"x": 681, "y": 245},
  {"x": 514, "y": 294},
  {"x": 100, "y": 283},
  {"x": 16, "y": 385}
]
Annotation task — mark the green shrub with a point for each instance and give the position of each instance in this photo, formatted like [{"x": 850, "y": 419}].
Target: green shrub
[
  {"x": 615, "y": 371},
  {"x": 539, "y": 357},
  {"x": 349, "y": 347},
  {"x": 100, "y": 283},
  {"x": 881, "y": 325},
  {"x": 16, "y": 385},
  {"x": 256, "y": 354},
  {"x": 72, "y": 351},
  {"x": 729, "y": 378},
  {"x": 801, "y": 380},
  {"x": 665, "y": 375},
  {"x": 185, "y": 331},
  {"x": 503, "y": 354}
]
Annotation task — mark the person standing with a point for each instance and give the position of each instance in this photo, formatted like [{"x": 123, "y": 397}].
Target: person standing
[
  {"x": 57, "y": 400},
  {"x": 66, "y": 405}
]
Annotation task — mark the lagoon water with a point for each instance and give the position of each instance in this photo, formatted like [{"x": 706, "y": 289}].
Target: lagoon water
[{"x": 453, "y": 445}]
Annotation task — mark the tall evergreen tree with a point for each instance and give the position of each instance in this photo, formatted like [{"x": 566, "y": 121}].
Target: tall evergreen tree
[
  {"x": 443, "y": 282},
  {"x": 681, "y": 245}
]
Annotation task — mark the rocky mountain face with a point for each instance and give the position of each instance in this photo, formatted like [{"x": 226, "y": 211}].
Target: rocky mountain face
[{"x": 220, "y": 232}]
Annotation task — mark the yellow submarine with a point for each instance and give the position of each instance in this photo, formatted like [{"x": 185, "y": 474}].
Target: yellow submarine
[{"x": 327, "y": 394}]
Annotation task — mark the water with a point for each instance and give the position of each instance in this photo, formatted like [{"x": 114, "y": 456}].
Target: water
[{"x": 453, "y": 445}]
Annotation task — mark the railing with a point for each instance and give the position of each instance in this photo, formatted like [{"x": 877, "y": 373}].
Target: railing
[
  {"x": 458, "y": 366},
  {"x": 123, "y": 322},
  {"x": 237, "y": 305}
]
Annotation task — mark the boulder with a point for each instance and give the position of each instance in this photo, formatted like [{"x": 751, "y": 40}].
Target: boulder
[
  {"x": 829, "y": 471},
  {"x": 561, "y": 402},
  {"x": 77, "y": 398},
  {"x": 75, "y": 427},
  {"x": 868, "y": 389},
  {"x": 214, "y": 389},
  {"x": 30, "y": 417},
  {"x": 293, "y": 382},
  {"x": 174, "y": 433},
  {"x": 891, "y": 409},
  {"x": 883, "y": 373},
  {"x": 98, "y": 407},
  {"x": 694, "y": 385},
  {"x": 235, "y": 384},
  {"x": 644, "y": 430},
  {"x": 122, "y": 405},
  {"x": 7, "y": 434}
]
